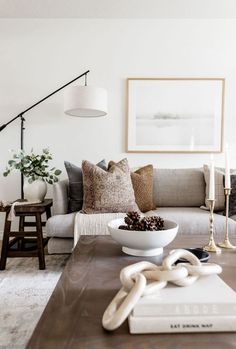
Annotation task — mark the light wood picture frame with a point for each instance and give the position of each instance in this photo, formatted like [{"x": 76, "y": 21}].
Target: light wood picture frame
[{"x": 175, "y": 115}]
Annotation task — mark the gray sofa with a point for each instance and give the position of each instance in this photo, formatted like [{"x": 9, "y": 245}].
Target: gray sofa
[{"x": 178, "y": 196}]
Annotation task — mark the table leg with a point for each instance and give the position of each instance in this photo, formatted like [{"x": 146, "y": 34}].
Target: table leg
[
  {"x": 21, "y": 230},
  {"x": 48, "y": 212},
  {"x": 5, "y": 242},
  {"x": 40, "y": 241}
]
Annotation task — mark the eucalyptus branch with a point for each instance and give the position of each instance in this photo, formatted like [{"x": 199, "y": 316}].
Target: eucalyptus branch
[{"x": 33, "y": 166}]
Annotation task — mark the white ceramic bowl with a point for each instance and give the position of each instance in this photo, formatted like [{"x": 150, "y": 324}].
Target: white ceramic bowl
[{"x": 143, "y": 243}]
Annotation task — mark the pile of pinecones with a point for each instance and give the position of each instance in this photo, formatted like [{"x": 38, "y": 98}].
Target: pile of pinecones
[{"x": 134, "y": 221}]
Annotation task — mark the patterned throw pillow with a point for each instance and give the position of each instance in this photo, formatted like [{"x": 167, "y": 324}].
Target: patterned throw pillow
[
  {"x": 142, "y": 181},
  {"x": 75, "y": 177},
  {"x": 108, "y": 191}
]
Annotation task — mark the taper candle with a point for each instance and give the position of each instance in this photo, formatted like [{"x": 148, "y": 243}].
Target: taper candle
[
  {"x": 227, "y": 168},
  {"x": 212, "y": 180}
]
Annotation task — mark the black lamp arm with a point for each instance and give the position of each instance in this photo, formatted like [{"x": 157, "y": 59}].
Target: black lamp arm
[
  {"x": 43, "y": 99},
  {"x": 9, "y": 122},
  {"x": 31, "y": 107}
]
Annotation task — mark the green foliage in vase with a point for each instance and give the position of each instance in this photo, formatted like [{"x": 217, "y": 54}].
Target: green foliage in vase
[{"x": 33, "y": 166}]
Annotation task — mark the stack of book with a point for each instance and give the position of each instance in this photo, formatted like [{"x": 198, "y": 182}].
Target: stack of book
[{"x": 208, "y": 305}]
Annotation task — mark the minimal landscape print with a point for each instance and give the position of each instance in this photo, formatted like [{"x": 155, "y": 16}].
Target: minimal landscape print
[{"x": 175, "y": 115}]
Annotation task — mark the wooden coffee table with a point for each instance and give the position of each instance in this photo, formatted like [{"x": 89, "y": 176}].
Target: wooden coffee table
[{"x": 73, "y": 315}]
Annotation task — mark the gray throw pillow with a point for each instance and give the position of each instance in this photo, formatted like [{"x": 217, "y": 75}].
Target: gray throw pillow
[
  {"x": 75, "y": 177},
  {"x": 232, "y": 197}
]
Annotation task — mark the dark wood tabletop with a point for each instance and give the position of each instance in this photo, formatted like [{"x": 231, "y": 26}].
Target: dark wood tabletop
[
  {"x": 40, "y": 207},
  {"x": 73, "y": 315}
]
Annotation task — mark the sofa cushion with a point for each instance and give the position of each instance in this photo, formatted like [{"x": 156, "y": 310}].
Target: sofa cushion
[
  {"x": 108, "y": 191},
  {"x": 179, "y": 187},
  {"x": 60, "y": 245},
  {"x": 75, "y": 176},
  {"x": 193, "y": 220},
  {"x": 61, "y": 226},
  {"x": 60, "y": 197}
]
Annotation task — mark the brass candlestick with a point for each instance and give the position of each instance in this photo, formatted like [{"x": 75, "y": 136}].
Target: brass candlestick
[
  {"x": 211, "y": 246},
  {"x": 226, "y": 243}
]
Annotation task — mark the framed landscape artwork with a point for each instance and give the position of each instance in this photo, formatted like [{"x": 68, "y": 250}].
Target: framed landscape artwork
[{"x": 175, "y": 115}]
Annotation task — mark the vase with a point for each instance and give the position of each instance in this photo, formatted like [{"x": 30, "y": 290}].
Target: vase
[{"x": 35, "y": 191}]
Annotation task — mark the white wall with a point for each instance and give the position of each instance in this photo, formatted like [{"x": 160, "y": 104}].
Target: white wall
[
  {"x": 37, "y": 56},
  {"x": 118, "y": 9}
]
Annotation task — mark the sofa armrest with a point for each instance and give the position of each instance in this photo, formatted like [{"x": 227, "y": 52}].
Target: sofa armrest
[{"x": 60, "y": 197}]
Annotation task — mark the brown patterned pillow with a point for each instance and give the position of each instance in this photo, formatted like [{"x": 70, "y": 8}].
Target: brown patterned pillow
[
  {"x": 108, "y": 191},
  {"x": 142, "y": 180}
]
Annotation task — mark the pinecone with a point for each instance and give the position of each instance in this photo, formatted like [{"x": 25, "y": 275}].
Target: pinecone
[
  {"x": 128, "y": 221},
  {"x": 147, "y": 221},
  {"x": 139, "y": 226},
  {"x": 124, "y": 227},
  {"x": 160, "y": 223},
  {"x": 134, "y": 221},
  {"x": 134, "y": 216}
]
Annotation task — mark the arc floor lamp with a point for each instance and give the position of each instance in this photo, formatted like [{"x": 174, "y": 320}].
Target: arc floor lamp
[{"x": 82, "y": 101}]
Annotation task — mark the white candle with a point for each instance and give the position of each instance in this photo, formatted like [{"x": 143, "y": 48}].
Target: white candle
[
  {"x": 212, "y": 180},
  {"x": 227, "y": 168}
]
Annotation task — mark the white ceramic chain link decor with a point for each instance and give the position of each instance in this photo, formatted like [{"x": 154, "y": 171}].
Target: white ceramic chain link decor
[{"x": 145, "y": 278}]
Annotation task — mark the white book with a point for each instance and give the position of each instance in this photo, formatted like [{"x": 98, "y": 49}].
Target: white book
[
  {"x": 179, "y": 324},
  {"x": 208, "y": 296}
]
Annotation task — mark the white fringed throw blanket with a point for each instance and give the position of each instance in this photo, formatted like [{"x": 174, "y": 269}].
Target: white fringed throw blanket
[{"x": 93, "y": 224}]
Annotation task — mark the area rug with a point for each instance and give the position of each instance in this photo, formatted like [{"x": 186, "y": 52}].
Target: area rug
[{"x": 24, "y": 293}]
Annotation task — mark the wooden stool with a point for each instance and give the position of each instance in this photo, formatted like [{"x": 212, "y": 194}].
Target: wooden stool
[{"x": 19, "y": 237}]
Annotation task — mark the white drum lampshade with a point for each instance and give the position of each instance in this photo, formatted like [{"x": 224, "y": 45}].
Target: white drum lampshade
[{"x": 85, "y": 101}]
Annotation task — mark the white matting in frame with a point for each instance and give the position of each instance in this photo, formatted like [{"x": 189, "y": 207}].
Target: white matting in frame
[{"x": 175, "y": 114}]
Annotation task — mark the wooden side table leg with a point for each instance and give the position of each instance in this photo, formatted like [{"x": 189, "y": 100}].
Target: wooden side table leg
[
  {"x": 40, "y": 241},
  {"x": 48, "y": 212},
  {"x": 21, "y": 230},
  {"x": 5, "y": 242}
]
